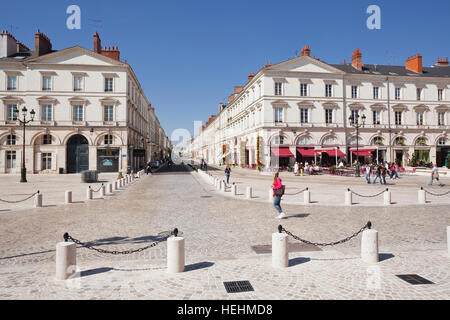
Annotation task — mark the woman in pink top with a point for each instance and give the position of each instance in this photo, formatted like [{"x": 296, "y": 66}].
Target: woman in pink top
[{"x": 277, "y": 184}]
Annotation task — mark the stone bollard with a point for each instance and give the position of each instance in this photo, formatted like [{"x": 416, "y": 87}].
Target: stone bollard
[
  {"x": 348, "y": 198},
  {"x": 102, "y": 191},
  {"x": 89, "y": 194},
  {"x": 233, "y": 190},
  {"x": 387, "y": 198},
  {"x": 38, "y": 200},
  {"x": 110, "y": 188},
  {"x": 116, "y": 185},
  {"x": 68, "y": 197},
  {"x": 369, "y": 246},
  {"x": 422, "y": 196},
  {"x": 175, "y": 254},
  {"x": 222, "y": 186},
  {"x": 280, "y": 253},
  {"x": 248, "y": 193},
  {"x": 448, "y": 239},
  {"x": 307, "y": 196},
  {"x": 66, "y": 260}
]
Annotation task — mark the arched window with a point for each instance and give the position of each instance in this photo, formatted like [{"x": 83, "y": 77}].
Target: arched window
[
  {"x": 378, "y": 141},
  {"x": 330, "y": 141},
  {"x": 422, "y": 141},
  {"x": 399, "y": 141},
  {"x": 11, "y": 140},
  {"x": 278, "y": 140},
  {"x": 353, "y": 141},
  {"x": 304, "y": 141},
  {"x": 108, "y": 139},
  {"x": 46, "y": 139}
]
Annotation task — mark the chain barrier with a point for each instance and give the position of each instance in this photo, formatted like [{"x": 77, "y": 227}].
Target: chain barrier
[
  {"x": 294, "y": 194},
  {"x": 97, "y": 189},
  {"x": 367, "y": 226},
  {"x": 18, "y": 201},
  {"x": 436, "y": 194},
  {"x": 363, "y": 196},
  {"x": 175, "y": 233}
]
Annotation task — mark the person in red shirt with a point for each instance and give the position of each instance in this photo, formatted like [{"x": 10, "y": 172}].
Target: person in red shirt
[{"x": 277, "y": 185}]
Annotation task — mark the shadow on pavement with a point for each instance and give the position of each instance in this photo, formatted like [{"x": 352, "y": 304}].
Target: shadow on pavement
[
  {"x": 198, "y": 266},
  {"x": 297, "y": 261},
  {"x": 301, "y": 215},
  {"x": 385, "y": 256},
  {"x": 91, "y": 272}
]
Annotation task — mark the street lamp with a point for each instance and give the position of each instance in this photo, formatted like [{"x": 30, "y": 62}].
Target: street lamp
[
  {"x": 23, "y": 172},
  {"x": 354, "y": 122}
]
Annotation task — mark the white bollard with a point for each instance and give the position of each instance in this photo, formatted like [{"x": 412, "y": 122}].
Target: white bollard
[
  {"x": 248, "y": 192},
  {"x": 89, "y": 194},
  {"x": 110, "y": 188},
  {"x": 116, "y": 185},
  {"x": 38, "y": 200},
  {"x": 348, "y": 198},
  {"x": 102, "y": 191},
  {"x": 307, "y": 197},
  {"x": 222, "y": 186},
  {"x": 280, "y": 253},
  {"x": 66, "y": 260},
  {"x": 422, "y": 196},
  {"x": 175, "y": 254},
  {"x": 369, "y": 246},
  {"x": 68, "y": 196},
  {"x": 387, "y": 198},
  {"x": 448, "y": 239},
  {"x": 233, "y": 190}
]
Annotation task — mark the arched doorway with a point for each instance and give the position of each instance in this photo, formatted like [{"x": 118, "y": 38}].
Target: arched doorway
[{"x": 77, "y": 154}]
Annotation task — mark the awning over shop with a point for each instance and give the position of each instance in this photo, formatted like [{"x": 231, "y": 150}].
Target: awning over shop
[
  {"x": 307, "y": 152},
  {"x": 363, "y": 150},
  {"x": 363, "y": 153},
  {"x": 282, "y": 152},
  {"x": 332, "y": 153}
]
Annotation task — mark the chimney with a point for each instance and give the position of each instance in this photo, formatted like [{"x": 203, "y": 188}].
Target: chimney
[
  {"x": 414, "y": 63},
  {"x": 42, "y": 44},
  {"x": 231, "y": 97},
  {"x": 237, "y": 89},
  {"x": 251, "y": 76},
  {"x": 306, "y": 51},
  {"x": 8, "y": 46},
  {"x": 97, "y": 43},
  {"x": 442, "y": 62},
  {"x": 357, "y": 59}
]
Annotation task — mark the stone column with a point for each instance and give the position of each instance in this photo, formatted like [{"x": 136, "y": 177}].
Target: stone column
[
  {"x": 307, "y": 197},
  {"x": 175, "y": 254},
  {"x": 38, "y": 200},
  {"x": 68, "y": 196},
  {"x": 387, "y": 198},
  {"x": 66, "y": 260},
  {"x": 248, "y": 192},
  {"x": 348, "y": 198},
  {"x": 89, "y": 194},
  {"x": 280, "y": 254},
  {"x": 422, "y": 196},
  {"x": 369, "y": 246}
]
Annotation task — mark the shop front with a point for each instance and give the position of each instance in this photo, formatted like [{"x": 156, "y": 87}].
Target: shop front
[
  {"x": 108, "y": 159},
  {"x": 443, "y": 153}
]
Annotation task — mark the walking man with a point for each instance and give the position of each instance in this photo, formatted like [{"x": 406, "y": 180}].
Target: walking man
[
  {"x": 435, "y": 175},
  {"x": 368, "y": 173},
  {"x": 227, "y": 173}
]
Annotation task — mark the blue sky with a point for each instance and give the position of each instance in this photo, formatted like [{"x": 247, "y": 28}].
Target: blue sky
[{"x": 188, "y": 55}]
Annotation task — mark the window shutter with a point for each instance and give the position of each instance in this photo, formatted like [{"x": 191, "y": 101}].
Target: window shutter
[
  {"x": 37, "y": 161},
  {"x": 54, "y": 161}
]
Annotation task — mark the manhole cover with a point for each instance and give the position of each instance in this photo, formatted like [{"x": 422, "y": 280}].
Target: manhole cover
[
  {"x": 292, "y": 247},
  {"x": 414, "y": 279},
  {"x": 238, "y": 286}
]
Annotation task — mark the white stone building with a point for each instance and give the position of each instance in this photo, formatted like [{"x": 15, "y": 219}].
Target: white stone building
[
  {"x": 91, "y": 112},
  {"x": 299, "y": 110}
]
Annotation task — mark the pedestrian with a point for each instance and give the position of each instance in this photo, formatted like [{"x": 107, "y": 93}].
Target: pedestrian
[
  {"x": 435, "y": 176},
  {"x": 296, "y": 166},
  {"x": 205, "y": 165},
  {"x": 148, "y": 169},
  {"x": 227, "y": 173},
  {"x": 278, "y": 191},
  {"x": 368, "y": 173},
  {"x": 383, "y": 172},
  {"x": 394, "y": 174},
  {"x": 378, "y": 174}
]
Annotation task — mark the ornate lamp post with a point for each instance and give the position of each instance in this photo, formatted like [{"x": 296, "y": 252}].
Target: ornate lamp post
[
  {"x": 354, "y": 122},
  {"x": 23, "y": 172}
]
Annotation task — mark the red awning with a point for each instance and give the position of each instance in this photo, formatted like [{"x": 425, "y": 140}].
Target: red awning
[
  {"x": 307, "y": 152},
  {"x": 332, "y": 153},
  {"x": 282, "y": 152},
  {"x": 363, "y": 153},
  {"x": 363, "y": 150}
]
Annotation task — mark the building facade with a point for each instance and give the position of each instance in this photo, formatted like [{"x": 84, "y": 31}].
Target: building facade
[
  {"x": 300, "y": 109},
  {"x": 91, "y": 112}
]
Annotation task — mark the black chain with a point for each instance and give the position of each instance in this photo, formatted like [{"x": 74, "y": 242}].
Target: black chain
[
  {"x": 376, "y": 195},
  {"x": 437, "y": 195},
  {"x": 367, "y": 226},
  {"x": 67, "y": 237},
  {"x": 294, "y": 194},
  {"x": 97, "y": 189},
  {"x": 17, "y": 201}
]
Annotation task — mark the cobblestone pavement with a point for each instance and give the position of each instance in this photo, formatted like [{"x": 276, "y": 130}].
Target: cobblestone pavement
[{"x": 219, "y": 233}]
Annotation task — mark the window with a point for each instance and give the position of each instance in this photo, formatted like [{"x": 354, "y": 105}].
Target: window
[
  {"x": 11, "y": 140},
  {"x": 278, "y": 88},
  {"x": 422, "y": 141},
  {"x": 12, "y": 116},
  {"x": 376, "y": 117},
  {"x": 355, "y": 117},
  {"x": 303, "y": 89},
  {"x": 77, "y": 113},
  {"x": 378, "y": 141},
  {"x": 328, "y": 90},
  {"x": 376, "y": 93},
  {"x": 278, "y": 140},
  {"x": 441, "y": 118},
  {"x": 10, "y": 159},
  {"x": 420, "y": 118},
  {"x": 46, "y": 139},
  {"x": 304, "y": 141},
  {"x": 398, "y": 118},
  {"x": 109, "y": 84},
  {"x": 12, "y": 82},
  {"x": 278, "y": 114},
  {"x": 442, "y": 142},
  {"x": 47, "y": 112},
  {"x": 46, "y": 161},
  {"x": 400, "y": 141},
  {"x": 108, "y": 139},
  {"x": 108, "y": 113},
  {"x": 328, "y": 116},
  {"x": 78, "y": 84},
  {"x": 398, "y": 93},
  {"x": 354, "y": 92},
  {"x": 419, "y": 94},
  {"x": 46, "y": 83},
  {"x": 440, "y": 94},
  {"x": 303, "y": 115}
]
